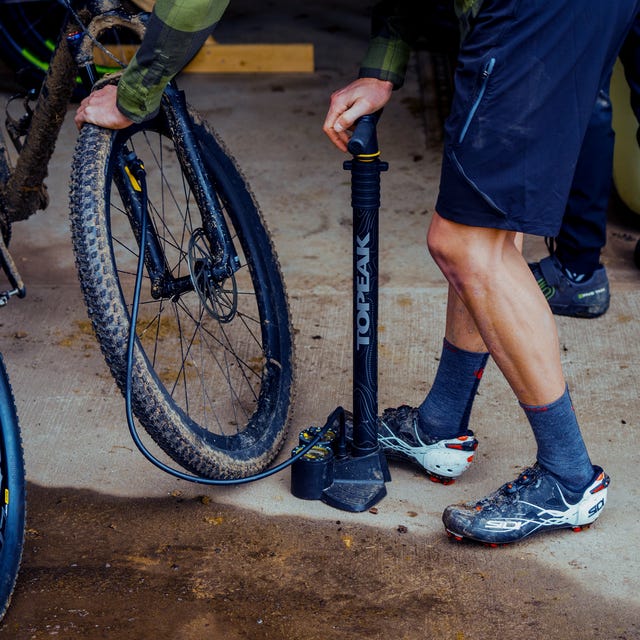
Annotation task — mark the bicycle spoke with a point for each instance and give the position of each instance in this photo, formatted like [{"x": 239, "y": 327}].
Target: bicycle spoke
[{"x": 184, "y": 343}]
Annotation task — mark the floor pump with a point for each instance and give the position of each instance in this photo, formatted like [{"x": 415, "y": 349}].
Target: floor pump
[{"x": 347, "y": 469}]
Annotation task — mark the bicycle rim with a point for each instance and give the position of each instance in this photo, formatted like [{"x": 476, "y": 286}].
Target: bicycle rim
[
  {"x": 29, "y": 32},
  {"x": 12, "y": 493},
  {"x": 213, "y": 372}
]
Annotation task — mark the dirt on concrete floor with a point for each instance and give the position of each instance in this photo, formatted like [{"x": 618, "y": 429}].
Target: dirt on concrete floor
[{"x": 174, "y": 568}]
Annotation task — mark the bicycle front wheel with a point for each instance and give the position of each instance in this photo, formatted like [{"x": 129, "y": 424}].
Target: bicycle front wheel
[
  {"x": 212, "y": 377},
  {"x": 13, "y": 493}
]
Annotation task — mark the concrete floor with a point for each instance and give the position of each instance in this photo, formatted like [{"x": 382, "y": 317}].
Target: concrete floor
[{"x": 73, "y": 418}]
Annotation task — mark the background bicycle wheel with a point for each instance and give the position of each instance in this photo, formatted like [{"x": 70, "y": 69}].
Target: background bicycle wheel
[{"x": 28, "y": 33}]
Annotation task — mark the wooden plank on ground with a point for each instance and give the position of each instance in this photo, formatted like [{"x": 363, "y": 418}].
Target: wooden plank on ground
[
  {"x": 253, "y": 58},
  {"x": 214, "y": 57}
]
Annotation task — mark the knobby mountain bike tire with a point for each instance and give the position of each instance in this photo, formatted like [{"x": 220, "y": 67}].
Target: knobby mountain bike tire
[
  {"x": 213, "y": 389},
  {"x": 13, "y": 492}
]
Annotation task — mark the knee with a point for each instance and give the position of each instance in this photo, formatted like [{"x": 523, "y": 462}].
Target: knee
[
  {"x": 445, "y": 247},
  {"x": 436, "y": 245},
  {"x": 464, "y": 254}
]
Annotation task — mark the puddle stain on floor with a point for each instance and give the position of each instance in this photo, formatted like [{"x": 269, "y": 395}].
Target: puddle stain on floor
[{"x": 97, "y": 566}]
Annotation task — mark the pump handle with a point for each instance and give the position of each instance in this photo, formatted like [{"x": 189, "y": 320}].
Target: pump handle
[{"x": 363, "y": 140}]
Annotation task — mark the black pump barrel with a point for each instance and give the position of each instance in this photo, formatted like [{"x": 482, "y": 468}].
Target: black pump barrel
[{"x": 365, "y": 200}]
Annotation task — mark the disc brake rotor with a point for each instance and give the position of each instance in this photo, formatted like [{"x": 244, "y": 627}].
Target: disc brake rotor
[{"x": 218, "y": 296}]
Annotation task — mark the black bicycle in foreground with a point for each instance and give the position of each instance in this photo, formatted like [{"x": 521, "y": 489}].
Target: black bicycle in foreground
[{"x": 212, "y": 367}]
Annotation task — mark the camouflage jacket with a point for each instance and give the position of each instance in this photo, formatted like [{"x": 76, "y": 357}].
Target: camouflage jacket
[
  {"x": 178, "y": 28},
  {"x": 398, "y": 26},
  {"x": 176, "y": 31}
]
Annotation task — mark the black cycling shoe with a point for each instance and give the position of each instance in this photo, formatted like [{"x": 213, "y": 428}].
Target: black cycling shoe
[
  {"x": 398, "y": 435},
  {"x": 534, "y": 502},
  {"x": 587, "y": 299}
]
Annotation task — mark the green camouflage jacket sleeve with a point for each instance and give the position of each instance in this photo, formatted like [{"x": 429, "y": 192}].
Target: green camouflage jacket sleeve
[
  {"x": 399, "y": 26},
  {"x": 175, "y": 32}
]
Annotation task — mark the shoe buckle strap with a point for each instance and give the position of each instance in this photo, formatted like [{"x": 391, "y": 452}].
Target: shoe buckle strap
[{"x": 550, "y": 271}]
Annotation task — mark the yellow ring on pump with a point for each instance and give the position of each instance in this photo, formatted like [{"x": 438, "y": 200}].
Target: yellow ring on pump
[{"x": 367, "y": 157}]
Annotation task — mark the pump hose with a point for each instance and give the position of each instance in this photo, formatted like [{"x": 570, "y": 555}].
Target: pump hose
[{"x": 140, "y": 174}]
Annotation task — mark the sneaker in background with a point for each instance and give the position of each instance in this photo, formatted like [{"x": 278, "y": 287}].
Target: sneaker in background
[{"x": 585, "y": 299}]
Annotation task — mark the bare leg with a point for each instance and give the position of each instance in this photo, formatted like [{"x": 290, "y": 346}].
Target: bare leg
[
  {"x": 491, "y": 287},
  {"x": 461, "y": 328}
]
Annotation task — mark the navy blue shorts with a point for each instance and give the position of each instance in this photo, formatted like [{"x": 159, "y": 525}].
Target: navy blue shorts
[{"x": 528, "y": 76}]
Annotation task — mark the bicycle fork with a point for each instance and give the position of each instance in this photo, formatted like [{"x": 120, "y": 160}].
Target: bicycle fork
[
  {"x": 215, "y": 226},
  {"x": 212, "y": 254}
]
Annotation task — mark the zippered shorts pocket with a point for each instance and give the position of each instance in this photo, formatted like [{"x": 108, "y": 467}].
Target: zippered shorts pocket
[{"x": 484, "y": 81}]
